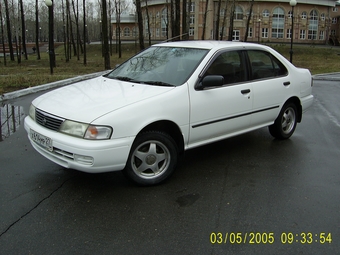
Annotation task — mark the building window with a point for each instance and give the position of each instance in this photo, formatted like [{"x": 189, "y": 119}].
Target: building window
[
  {"x": 264, "y": 32},
  {"x": 127, "y": 31},
  {"x": 265, "y": 13},
  {"x": 313, "y": 25},
  {"x": 334, "y": 20},
  {"x": 236, "y": 35},
  {"x": 164, "y": 22},
  {"x": 323, "y": 17},
  {"x": 289, "y": 33},
  {"x": 191, "y": 31},
  {"x": 134, "y": 32},
  {"x": 335, "y": 9},
  {"x": 278, "y": 23},
  {"x": 302, "y": 34},
  {"x": 238, "y": 15},
  {"x": 191, "y": 8},
  {"x": 322, "y": 35},
  {"x": 222, "y": 12},
  {"x": 333, "y": 32},
  {"x": 157, "y": 32},
  {"x": 192, "y": 19},
  {"x": 250, "y": 32},
  {"x": 290, "y": 14},
  {"x": 304, "y": 15}
]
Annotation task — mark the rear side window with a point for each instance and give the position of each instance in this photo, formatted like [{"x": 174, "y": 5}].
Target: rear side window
[{"x": 264, "y": 65}]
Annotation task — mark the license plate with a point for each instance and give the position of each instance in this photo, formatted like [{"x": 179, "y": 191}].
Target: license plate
[{"x": 41, "y": 140}]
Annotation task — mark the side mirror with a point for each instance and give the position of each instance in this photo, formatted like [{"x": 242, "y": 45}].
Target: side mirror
[{"x": 211, "y": 81}]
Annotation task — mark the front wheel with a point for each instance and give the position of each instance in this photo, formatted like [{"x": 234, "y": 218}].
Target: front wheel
[
  {"x": 152, "y": 159},
  {"x": 285, "y": 124}
]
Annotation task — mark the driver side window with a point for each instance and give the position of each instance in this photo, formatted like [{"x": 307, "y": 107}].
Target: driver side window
[{"x": 230, "y": 66}]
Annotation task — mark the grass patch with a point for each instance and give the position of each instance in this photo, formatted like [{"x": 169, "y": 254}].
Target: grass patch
[
  {"x": 33, "y": 72},
  {"x": 318, "y": 59}
]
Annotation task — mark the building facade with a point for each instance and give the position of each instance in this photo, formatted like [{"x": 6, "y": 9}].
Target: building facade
[{"x": 310, "y": 21}]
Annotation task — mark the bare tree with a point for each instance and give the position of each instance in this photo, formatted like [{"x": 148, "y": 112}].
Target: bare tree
[
  {"x": 3, "y": 45},
  {"x": 217, "y": 21},
  {"x": 37, "y": 29},
  {"x": 9, "y": 31},
  {"x": 106, "y": 49},
  {"x": 185, "y": 19},
  {"x": 140, "y": 24},
  {"x": 231, "y": 26},
  {"x": 148, "y": 20},
  {"x": 248, "y": 20},
  {"x": 225, "y": 11},
  {"x": 118, "y": 31},
  {"x": 85, "y": 31},
  {"x": 205, "y": 18},
  {"x": 23, "y": 29}
]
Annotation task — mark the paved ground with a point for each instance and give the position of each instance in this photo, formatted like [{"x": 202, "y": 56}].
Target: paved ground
[{"x": 249, "y": 194}]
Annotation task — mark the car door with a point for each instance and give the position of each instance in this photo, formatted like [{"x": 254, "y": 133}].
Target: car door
[
  {"x": 270, "y": 86},
  {"x": 221, "y": 111}
]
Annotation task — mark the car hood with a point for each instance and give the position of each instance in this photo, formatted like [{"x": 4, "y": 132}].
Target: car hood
[{"x": 88, "y": 100}]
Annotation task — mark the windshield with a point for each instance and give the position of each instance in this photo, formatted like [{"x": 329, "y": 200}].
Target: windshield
[{"x": 163, "y": 66}]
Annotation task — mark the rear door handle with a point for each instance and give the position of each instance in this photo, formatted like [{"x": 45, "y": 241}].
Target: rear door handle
[
  {"x": 245, "y": 91},
  {"x": 286, "y": 83}
]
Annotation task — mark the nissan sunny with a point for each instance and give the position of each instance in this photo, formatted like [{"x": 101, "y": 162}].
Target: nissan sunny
[{"x": 171, "y": 97}]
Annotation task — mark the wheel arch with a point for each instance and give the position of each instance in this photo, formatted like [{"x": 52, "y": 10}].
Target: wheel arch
[
  {"x": 297, "y": 102},
  {"x": 168, "y": 127}
]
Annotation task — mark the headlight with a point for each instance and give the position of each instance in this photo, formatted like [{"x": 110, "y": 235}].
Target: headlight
[
  {"x": 86, "y": 131},
  {"x": 73, "y": 128},
  {"x": 31, "y": 112}
]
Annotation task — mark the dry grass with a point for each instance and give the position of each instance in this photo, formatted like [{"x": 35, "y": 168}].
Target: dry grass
[
  {"x": 318, "y": 59},
  {"x": 33, "y": 72}
]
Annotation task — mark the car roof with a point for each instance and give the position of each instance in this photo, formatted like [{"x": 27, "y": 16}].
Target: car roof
[{"x": 209, "y": 44}]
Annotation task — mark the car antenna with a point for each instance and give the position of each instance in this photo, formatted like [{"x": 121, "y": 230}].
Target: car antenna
[{"x": 173, "y": 38}]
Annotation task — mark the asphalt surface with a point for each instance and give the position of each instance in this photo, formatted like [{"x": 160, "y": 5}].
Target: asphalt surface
[{"x": 250, "y": 194}]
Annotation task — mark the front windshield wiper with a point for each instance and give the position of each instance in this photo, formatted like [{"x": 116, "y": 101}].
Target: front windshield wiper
[
  {"x": 159, "y": 83},
  {"x": 125, "y": 78},
  {"x": 122, "y": 78}
]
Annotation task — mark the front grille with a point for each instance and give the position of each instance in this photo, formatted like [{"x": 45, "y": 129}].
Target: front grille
[{"x": 48, "y": 120}]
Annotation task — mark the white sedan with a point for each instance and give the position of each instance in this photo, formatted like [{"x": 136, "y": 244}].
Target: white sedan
[{"x": 169, "y": 98}]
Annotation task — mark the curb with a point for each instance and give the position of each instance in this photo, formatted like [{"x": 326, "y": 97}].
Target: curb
[
  {"x": 327, "y": 77},
  {"x": 31, "y": 90}
]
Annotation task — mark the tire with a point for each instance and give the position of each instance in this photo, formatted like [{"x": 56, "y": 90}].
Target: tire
[
  {"x": 285, "y": 124},
  {"x": 153, "y": 158}
]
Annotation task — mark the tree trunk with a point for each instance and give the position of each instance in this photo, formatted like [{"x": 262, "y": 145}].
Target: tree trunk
[
  {"x": 23, "y": 29},
  {"x": 106, "y": 49},
  {"x": 85, "y": 31},
  {"x": 9, "y": 31},
  {"x": 3, "y": 47},
  {"x": 217, "y": 21},
  {"x": 37, "y": 30},
  {"x": 224, "y": 19},
  {"x": 248, "y": 20},
  {"x": 185, "y": 27},
  {"x": 140, "y": 25},
  {"x": 148, "y": 20},
  {"x": 231, "y": 27},
  {"x": 205, "y": 18}
]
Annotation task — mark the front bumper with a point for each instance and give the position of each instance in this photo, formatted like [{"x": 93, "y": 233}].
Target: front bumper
[{"x": 84, "y": 155}]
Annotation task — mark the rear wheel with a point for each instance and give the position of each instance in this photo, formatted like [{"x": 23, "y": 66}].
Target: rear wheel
[
  {"x": 152, "y": 159},
  {"x": 285, "y": 124}
]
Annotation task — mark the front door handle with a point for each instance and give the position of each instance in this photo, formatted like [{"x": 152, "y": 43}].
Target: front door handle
[
  {"x": 245, "y": 91},
  {"x": 286, "y": 83}
]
